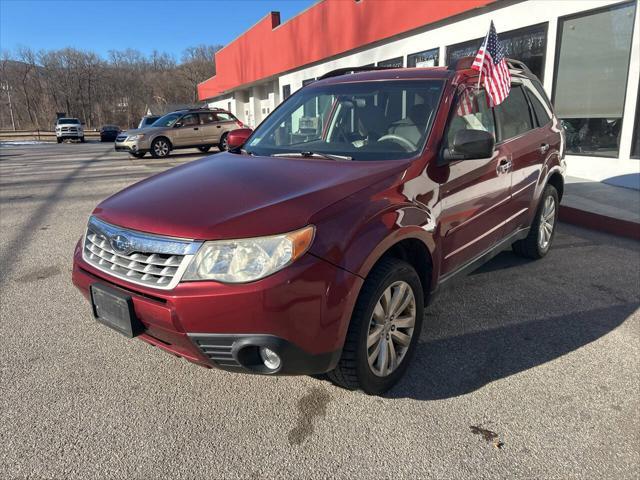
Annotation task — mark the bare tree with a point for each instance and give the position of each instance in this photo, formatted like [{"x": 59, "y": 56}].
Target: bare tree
[{"x": 80, "y": 83}]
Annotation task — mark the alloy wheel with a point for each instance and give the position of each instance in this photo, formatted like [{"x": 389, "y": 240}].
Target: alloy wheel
[
  {"x": 391, "y": 328},
  {"x": 161, "y": 148},
  {"x": 547, "y": 222}
]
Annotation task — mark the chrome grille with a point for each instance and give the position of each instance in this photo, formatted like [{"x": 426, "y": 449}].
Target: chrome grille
[{"x": 138, "y": 257}]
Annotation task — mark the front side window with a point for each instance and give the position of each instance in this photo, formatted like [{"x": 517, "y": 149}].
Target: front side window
[
  {"x": 167, "y": 120},
  {"x": 591, "y": 78},
  {"x": 362, "y": 120},
  {"x": 513, "y": 114},
  {"x": 471, "y": 113}
]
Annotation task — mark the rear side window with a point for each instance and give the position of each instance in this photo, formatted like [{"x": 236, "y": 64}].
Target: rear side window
[
  {"x": 513, "y": 115},
  {"x": 224, "y": 117},
  {"x": 541, "y": 113},
  {"x": 207, "y": 118},
  {"x": 189, "y": 120}
]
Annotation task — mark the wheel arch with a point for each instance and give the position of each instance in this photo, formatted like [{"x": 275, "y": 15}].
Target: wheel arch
[{"x": 411, "y": 248}]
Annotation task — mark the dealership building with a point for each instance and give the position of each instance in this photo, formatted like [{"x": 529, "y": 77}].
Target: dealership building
[{"x": 586, "y": 53}]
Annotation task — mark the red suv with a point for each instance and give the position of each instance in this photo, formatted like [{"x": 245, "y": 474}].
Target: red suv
[{"x": 314, "y": 244}]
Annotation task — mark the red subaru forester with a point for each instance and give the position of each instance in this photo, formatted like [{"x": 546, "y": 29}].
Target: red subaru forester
[{"x": 314, "y": 244}]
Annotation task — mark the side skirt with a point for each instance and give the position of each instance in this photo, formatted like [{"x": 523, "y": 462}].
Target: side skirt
[{"x": 478, "y": 261}]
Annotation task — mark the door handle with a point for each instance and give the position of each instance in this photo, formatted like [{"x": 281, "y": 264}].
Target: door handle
[
  {"x": 544, "y": 147},
  {"x": 218, "y": 126},
  {"x": 195, "y": 128},
  {"x": 503, "y": 166}
]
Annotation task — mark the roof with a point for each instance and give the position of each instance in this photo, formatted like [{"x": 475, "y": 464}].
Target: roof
[
  {"x": 326, "y": 29},
  {"x": 389, "y": 74}
]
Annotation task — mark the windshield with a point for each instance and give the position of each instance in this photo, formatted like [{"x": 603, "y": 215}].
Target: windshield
[
  {"x": 363, "y": 121},
  {"x": 168, "y": 120},
  {"x": 68, "y": 121}
]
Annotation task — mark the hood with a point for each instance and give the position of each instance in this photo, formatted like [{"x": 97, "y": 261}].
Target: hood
[
  {"x": 237, "y": 196},
  {"x": 145, "y": 130}
]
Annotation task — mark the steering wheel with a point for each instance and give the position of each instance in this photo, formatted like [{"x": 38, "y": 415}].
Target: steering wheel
[{"x": 401, "y": 140}]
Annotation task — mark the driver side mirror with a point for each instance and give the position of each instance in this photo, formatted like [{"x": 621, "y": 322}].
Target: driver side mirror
[
  {"x": 178, "y": 124},
  {"x": 469, "y": 145}
]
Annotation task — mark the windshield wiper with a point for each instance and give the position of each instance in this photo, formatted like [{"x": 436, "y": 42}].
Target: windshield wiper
[{"x": 328, "y": 156}]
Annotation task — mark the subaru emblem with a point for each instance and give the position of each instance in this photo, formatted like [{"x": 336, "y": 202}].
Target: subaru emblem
[{"x": 121, "y": 244}]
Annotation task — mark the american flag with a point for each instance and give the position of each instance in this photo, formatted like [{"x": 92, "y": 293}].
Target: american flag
[
  {"x": 467, "y": 103},
  {"x": 493, "y": 68}
]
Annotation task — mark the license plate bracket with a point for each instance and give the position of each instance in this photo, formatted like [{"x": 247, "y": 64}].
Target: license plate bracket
[{"x": 115, "y": 310}]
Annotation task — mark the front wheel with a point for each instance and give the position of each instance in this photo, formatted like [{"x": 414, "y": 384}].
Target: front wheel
[
  {"x": 538, "y": 241},
  {"x": 384, "y": 329},
  {"x": 160, "y": 148},
  {"x": 59, "y": 140},
  {"x": 223, "y": 145},
  {"x": 82, "y": 140}
]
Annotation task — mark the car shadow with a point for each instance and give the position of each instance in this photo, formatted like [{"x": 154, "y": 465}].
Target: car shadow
[
  {"x": 450, "y": 367},
  {"x": 500, "y": 321}
]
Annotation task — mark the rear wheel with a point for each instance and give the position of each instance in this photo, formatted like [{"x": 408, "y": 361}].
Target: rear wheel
[
  {"x": 384, "y": 329},
  {"x": 538, "y": 241},
  {"x": 204, "y": 148},
  {"x": 160, "y": 148},
  {"x": 222, "y": 145}
]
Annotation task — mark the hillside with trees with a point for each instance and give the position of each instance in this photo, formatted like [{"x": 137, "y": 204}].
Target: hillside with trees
[{"x": 113, "y": 90}]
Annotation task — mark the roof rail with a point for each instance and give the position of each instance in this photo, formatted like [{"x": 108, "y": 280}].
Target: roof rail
[
  {"x": 517, "y": 65},
  {"x": 347, "y": 70}
]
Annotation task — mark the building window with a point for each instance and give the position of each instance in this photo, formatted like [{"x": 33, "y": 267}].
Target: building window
[
  {"x": 593, "y": 55},
  {"x": 635, "y": 146},
  {"x": 397, "y": 62},
  {"x": 308, "y": 81},
  {"x": 529, "y": 45},
  {"x": 427, "y": 58},
  {"x": 286, "y": 91}
]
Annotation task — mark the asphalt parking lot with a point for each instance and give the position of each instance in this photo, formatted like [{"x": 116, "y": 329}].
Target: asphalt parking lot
[{"x": 525, "y": 369}]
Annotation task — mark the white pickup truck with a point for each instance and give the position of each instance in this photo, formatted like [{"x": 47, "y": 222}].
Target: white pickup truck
[{"x": 69, "y": 128}]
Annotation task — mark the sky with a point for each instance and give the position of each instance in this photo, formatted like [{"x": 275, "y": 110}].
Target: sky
[{"x": 164, "y": 25}]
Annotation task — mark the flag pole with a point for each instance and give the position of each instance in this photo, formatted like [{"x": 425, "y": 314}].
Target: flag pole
[{"x": 484, "y": 50}]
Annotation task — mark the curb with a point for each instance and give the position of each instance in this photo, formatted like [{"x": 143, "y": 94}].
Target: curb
[{"x": 602, "y": 223}]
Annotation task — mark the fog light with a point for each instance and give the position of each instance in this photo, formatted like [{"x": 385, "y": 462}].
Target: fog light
[{"x": 270, "y": 358}]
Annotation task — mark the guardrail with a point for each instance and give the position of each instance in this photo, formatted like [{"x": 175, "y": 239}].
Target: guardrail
[{"x": 38, "y": 135}]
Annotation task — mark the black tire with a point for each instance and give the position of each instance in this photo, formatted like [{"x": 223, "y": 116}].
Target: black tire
[
  {"x": 137, "y": 154},
  {"x": 82, "y": 140},
  {"x": 59, "y": 140},
  {"x": 353, "y": 370},
  {"x": 533, "y": 245},
  {"x": 222, "y": 145},
  {"x": 157, "y": 149},
  {"x": 204, "y": 148}
]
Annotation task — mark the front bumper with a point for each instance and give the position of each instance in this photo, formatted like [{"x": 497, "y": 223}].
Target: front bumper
[
  {"x": 132, "y": 146},
  {"x": 65, "y": 135},
  {"x": 301, "y": 313}
]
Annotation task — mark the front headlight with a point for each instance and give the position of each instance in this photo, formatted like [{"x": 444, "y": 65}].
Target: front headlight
[
  {"x": 248, "y": 259},
  {"x": 139, "y": 136}
]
